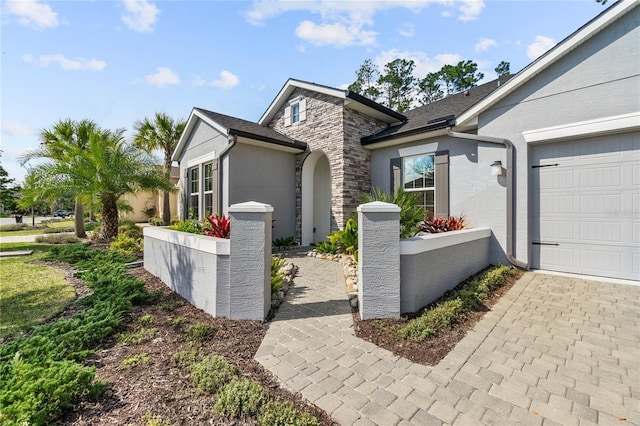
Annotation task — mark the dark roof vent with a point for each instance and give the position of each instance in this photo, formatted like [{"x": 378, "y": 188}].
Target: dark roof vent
[{"x": 466, "y": 93}]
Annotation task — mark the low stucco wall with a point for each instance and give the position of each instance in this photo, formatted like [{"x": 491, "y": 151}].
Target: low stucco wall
[
  {"x": 430, "y": 265},
  {"x": 194, "y": 266}
]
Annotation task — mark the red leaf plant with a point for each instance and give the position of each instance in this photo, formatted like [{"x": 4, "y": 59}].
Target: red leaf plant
[
  {"x": 218, "y": 226},
  {"x": 443, "y": 224}
]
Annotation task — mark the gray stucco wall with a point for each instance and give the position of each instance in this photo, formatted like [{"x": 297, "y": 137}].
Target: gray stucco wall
[
  {"x": 600, "y": 78},
  {"x": 428, "y": 275},
  {"x": 200, "y": 276},
  {"x": 267, "y": 176},
  {"x": 473, "y": 191}
]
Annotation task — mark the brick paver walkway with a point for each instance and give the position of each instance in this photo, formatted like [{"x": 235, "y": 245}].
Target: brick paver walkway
[{"x": 553, "y": 351}]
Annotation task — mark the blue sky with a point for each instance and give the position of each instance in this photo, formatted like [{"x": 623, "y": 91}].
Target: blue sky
[{"x": 118, "y": 61}]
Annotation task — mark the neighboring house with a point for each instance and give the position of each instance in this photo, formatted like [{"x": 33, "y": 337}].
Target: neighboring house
[
  {"x": 565, "y": 130},
  {"x": 147, "y": 201}
]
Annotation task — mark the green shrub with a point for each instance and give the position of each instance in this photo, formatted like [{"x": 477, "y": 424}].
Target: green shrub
[
  {"x": 326, "y": 247},
  {"x": 42, "y": 374},
  {"x": 12, "y": 227},
  {"x": 146, "y": 319},
  {"x": 410, "y": 212},
  {"x": 454, "y": 306},
  {"x": 283, "y": 413},
  {"x": 190, "y": 226},
  {"x": 187, "y": 358},
  {"x": 156, "y": 221},
  {"x": 59, "y": 230},
  {"x": 277, "y": 277},
  {"x": 211, "y": 373},
  {"x": 200, "y": 332},
  {"x": 346, "y": 239},
  {"x": 91, "y": 226},
  {"x": 284, "y": 242},
  {"x": 124, "y": 244},
  {"x": 142, "y": 358},
  {"x": 240, "y": 397},
  {"x": 132, "y": 231},
  {"x": 126, "y": 222},
  {"x": 138, "y": 337},
  {"x": 57, "y": 239}
]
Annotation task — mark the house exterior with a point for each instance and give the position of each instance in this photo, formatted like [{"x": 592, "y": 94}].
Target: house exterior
[
  {"x": 565, "y": 130},
  {"x": 145, "y": 202}
]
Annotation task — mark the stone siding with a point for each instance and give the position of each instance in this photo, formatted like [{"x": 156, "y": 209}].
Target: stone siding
[{"x": 336, "y": 131}]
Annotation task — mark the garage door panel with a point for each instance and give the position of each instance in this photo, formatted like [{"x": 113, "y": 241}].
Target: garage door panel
[{"x": 586, "y": 206}]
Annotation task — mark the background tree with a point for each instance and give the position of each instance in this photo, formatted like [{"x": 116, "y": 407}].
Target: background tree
[
  {"x": 430, "y": 89},
  {"x": 162, "y": 133},
  {"x": 106, "y": 168},
  {"x": 398, "y": 83},
  {"x": 34, "y": 194},
  {"x": 503, "y": 69},
  {"x": 8, "y": 190},
  {"x": 467, "y": 75},
  {"x": 59, "y": 144},
  {"x": 366, "y": 83}
]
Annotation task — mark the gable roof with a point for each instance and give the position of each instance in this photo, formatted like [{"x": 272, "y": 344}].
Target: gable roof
[
  {"x": 438, "y": 114},
  {"x": 233, "y": 126},
  {"x": 354, "y": 100},
  {"x": 577, "y": 38}
]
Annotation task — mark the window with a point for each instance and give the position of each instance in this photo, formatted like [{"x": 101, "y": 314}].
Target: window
[
  {"x": 418, "y": 176},
  {"x": 208, "y": 189},
  {"x": 296, "y": 111},
  {"x": 194, "y": 192}
]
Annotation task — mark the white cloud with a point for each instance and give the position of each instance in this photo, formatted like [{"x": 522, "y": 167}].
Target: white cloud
[
  {"x": 163, "y": 77},
  {"x": 347, "y": 23},
  {"x": 198, "y": 81},
  {"x": 424, "y": 63},
  {"x": 141, "y": 15},
  {"x": 12, "y": 128},
  {"x": 32, "y": 13},
  {"x": 485, "y": 44},
  {"x": 407, "y": 30},
  {"x": 470, "y": 9},
  {"x": 66, "y": 63},
  {"x": 336, "y": 34},
  {"x": 540, "y": 46},
  {"x": 227, "y": 81}
]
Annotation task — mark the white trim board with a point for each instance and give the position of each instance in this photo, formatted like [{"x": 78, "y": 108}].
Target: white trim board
[{"x": 599, "y": 126}]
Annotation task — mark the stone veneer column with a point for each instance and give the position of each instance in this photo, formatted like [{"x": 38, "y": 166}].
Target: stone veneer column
[
  {"x": 250, "y": 261},
  {"x": 379, "y": 260}
]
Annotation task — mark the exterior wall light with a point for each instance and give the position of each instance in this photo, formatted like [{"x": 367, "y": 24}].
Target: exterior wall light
[{"x": 496, "y": 168}]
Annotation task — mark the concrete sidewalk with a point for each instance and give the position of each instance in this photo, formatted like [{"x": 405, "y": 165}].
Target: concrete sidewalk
[{"x": 553, "y": 351}]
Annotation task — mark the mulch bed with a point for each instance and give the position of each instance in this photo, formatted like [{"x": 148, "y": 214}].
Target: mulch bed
[
  {"x": 382, "y": 332},
  {"x": 159, "y": 390}
]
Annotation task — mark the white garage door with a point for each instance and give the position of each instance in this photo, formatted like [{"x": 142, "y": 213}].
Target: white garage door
[{"x": 586, "y": 206}]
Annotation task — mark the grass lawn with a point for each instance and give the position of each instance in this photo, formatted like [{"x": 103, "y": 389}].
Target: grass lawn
[{"x": 29, "y": 293}]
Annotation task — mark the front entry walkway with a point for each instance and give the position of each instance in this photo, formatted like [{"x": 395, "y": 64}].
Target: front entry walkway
[{"x": 553, "y": 351}]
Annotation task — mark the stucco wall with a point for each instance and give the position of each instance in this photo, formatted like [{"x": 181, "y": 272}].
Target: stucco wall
[
  {"x": 267, "y": 176},
  {"x": 473, "y": 191},
  {"x": 601, "y": 78}
]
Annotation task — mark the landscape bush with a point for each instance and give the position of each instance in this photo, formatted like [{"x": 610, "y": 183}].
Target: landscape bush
[
  {"x": 283, "y": 413},
  {"x": 12, "y": 227},
  {"x": 126, "y": 245},
  {"x": 240, "y": 397},
  {"x": 437, "y": 225},
  {"x": 216, "y": 226},
  {"x": 200, "y": 333},
  {"x": 284, "y": 242},
  {"x": 277, "y": 277},
  {"x": 454, "y": 306},
  {"x": 156, "y": 221},
  {"x": 56, "y": 239},
  {"x": 211, "y": 373},
  {"x": 58, "y": 230},
  {"x": 41, "y": 373},
  {"x": 188, "y": 225}
]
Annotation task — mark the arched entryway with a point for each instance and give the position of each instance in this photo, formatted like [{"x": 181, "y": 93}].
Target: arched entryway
[{"x": 316, "y": 198}]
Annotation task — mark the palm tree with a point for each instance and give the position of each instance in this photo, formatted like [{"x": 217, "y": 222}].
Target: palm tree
[
  {"x": 57, "y": 144},
  {"x": 162, "y": 133},
  {"x": 106, "y": 168}
]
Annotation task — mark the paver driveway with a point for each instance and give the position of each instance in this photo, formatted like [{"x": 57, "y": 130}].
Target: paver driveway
[{"x": 554, "y": 350}]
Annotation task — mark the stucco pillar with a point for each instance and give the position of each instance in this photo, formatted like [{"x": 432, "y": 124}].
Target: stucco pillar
[
  {"x": 379, "y": 260},
  {"x": 250, "y": 261}
]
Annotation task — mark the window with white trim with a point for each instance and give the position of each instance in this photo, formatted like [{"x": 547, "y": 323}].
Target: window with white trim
[
  {"x": 208, "y": 189},
  {"x": 418, "y": 176},
  {"x": 296, "y": 111},
  {"x": 194, "y": 192}
]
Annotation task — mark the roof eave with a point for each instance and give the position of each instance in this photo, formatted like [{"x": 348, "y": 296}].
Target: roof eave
[
  {"x": 188, "y": 128},
  {"x": 295, "y": 145},
  {"x": 437, "y": 124}
]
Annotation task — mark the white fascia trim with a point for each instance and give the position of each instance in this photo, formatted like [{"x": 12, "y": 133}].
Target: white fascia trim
[
  {"x": 288, "y": 88},
  {"x": 617, "y": 123},
  {"x": 204, "y": 243},
  {"x": 186, "y": 134},
  {"x": 424, "y": 243},
  {"x": 576, "y": 39},
  {"x": 202, "y": 159}
]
